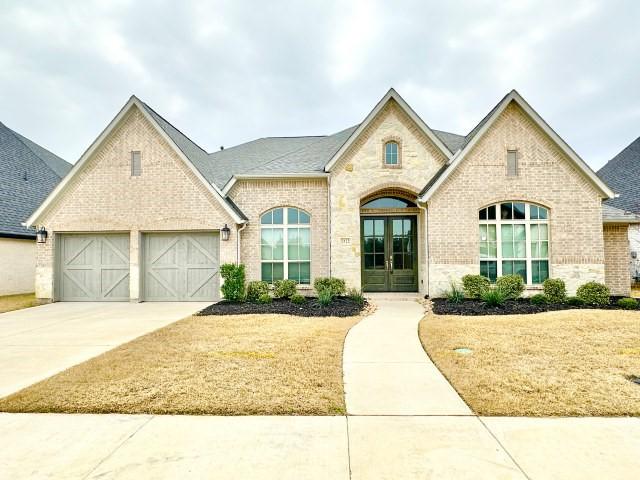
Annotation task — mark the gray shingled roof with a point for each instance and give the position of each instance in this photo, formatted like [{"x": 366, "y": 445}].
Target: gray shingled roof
[
  {"x": 614, "y": 215},
  {"x": 28, "y": 173},
  {"x": 622, "y": 174}
]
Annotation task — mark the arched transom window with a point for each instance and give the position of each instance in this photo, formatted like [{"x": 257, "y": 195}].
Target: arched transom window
[
  {"x": 391, "y": 153},
  {"x": 514, "y": 239},
  {"x": 285, "y": 244}
]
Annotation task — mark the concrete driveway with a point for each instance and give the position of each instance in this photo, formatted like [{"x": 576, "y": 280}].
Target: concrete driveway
[{"x": 38, "y": 342}]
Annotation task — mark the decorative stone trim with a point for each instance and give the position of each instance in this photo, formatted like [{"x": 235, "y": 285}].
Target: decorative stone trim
[{"x": 398, "y": 141}]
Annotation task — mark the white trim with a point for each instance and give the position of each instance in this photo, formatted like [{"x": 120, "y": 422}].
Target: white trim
[
  {"x": 262, "y": 176},
  {"x": 514, "y": 96},
  {"x": 133, "y": 101},
  {"x": 391, "y": 94}
]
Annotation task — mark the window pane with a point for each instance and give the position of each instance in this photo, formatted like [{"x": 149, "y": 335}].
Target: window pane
[
  {"x": 305, "y": 272},
  {"x": 266, "y": 236},
  {"x": 483, "y": 233},
  {"x": 542, "y": 213},
  {"x": 535, "y": 252},
  {"x": 304, "y": 218},
  {"x": 368, "y": 228},
  {"x": 266, "y": 252},
  {"x": 519, "y": 232},
  {"x": 267, "y": 218},
  {"x": 491, "y": 212},
  {"x": 482, "y": 215},
  {"x": 294, "y": 272},
  {"x": 277, "y": 216},
  {"x": 292, "y": 252},
  {"x": 292, "y": 216},
  {"x": 520, "y": 268},
  {"x": 507, "y": 267},
  {"x": 292, "y": 236},
  {"x": 520, "y": 249},
  {"x": 534, "y": 233},
  {"x": 397, "y": 227},
  {"x": 389, "y": 202},
  {"x": 544, "y": 249},
  {"x": 491, "y": 232},
  {"x": 304, "y": 252},
  {"x": 379, "y": 227},
  {"x": 493, "y": 250},
  {"x": 267, "y": 272},
  {"x": 484, "y": 250},
  {"x": 505, "y": 211},
  {"x": 489, "y": 270},
  {"x": 278, "y": 271},
  {"x": 507, "y": 249},
  {"x": 507, "y": 233},
  {"x": 533, "y": 212},
  {"x": 539, "y": 271},
  {"x": 518, "y": 211},
  {"x": 368, "y": 245},
  {"x": 544, "y": 232}
]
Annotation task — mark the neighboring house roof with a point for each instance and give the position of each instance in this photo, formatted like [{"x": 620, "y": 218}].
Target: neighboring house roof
[
  {"x": 28, "y": 173},
  {"x": 479, "y": 130},
  {"x": 622, "y": 174},
  {"x": 612, "y": 214}
]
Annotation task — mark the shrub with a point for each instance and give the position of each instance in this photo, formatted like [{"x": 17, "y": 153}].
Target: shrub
[
  {"x": 255, "y": 289},
  {"x": 335, "y": 286},
  {"x": 325, "y": 297},
  {"x": 356, "y": 296},
  {"x": 265, "y": 298},
  {"x": 284, "y": 288},
  {"x": 628, "y": 303},
  {"x": 539, "y": 299},
  {"x": 233, "y": 287},
  {"x": 555, "y": 290},
  {"x": 494, "y": 297},
  {"x": 455, "y": 294},
  {"x": 574, "y": 301},
  {"x": 297, "y": 299},
  {"x": 511, "y": 285},
  {"x": 593, "y": 293},
  {"x": 475, "y": 285}
]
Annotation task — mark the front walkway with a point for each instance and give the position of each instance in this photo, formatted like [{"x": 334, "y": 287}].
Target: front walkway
[{"x": 38, "y": 342}]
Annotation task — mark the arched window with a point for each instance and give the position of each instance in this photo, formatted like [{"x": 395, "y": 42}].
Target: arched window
[
  {"x": 285, "y": 244},
  {"x": 388, "y": 202},
  {"x": 514, "y": 239},
  {"x": 391, "y": 153}
]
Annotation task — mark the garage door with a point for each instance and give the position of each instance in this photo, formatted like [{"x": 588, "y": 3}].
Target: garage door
[
  {"x": 93, "y": 267},
  {"x": 181, "y": 266}
]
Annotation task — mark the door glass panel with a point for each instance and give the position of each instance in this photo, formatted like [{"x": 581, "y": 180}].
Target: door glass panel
[
  {"x": 373, "y": 244},
  {"x": 379, "y": 227}
]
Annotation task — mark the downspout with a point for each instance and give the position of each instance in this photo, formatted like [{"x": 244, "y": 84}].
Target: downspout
[
  {"x": 238, "y": 230},
  {"x": 329, "y": 220},
  {"x": 426, "y": 244}
]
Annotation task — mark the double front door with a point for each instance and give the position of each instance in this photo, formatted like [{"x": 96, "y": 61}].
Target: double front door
[{"x": 389, "y": 254}]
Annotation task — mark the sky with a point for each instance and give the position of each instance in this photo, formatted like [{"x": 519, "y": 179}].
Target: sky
[{"x": 226, "y": 72}]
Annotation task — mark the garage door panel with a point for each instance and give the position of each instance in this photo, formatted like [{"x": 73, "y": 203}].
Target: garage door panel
[
  {"x": 93, "y": 267},
  {"x": 181, "y": 266}
]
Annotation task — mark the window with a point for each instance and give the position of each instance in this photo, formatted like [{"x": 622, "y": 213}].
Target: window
[
  {"x": 285, "y": 244},
  {"x": 512, "y": 163},
  {"x": 514, "y": 239},
  {"x": 391, "y": 153},
  {"x": 389, "y": 202},
  {"x": 136, "y": 164}
]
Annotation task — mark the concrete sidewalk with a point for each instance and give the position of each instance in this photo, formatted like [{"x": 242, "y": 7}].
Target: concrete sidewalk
[
  {"x": 386, "y": 370},
  {"x": 35, "y": 446}
]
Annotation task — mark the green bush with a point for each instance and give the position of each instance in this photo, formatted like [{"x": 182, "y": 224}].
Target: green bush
[
  {"x": 284, "y": 288},
  {"x": 574, "y": 301},
  {"x": 511, "y": 285},
  {"x": 539, "y": 299},
  {"x": 233, "y": 288},
  {"x": 265, "y": 298},
  {"x": 325, "y": 297},
  {"x": 255, "y": 289},
  {"x": 335, "y": 286},
  {"x": 298, "y": 299},
  {"x": 594, "y": 293},
  {"x": 356, "y": 296},
  {"x": 555, "y": 290},
  {"x": 455, "y": 294},
  {"x": 475, "y": 285},
  {"x": 494, "y": 297},
  {"x": 628, "y": 303}
]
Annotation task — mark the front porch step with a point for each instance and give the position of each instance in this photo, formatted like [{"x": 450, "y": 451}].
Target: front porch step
[{"x": 397, "y": 296}]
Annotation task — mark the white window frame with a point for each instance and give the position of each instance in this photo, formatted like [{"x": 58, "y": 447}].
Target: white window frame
[
  {"x": 527, "y": 222},
  {"x": 284, "y": 226},
  {"x": 397, "y": 154}
]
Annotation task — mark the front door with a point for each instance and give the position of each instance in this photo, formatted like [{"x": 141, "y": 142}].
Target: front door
[{"x": 389, "y": 254}]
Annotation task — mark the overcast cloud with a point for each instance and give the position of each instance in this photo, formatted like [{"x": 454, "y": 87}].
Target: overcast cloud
[{"x": 226, "y": 72}]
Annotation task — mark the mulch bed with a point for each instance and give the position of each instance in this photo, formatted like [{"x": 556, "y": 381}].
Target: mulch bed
[
  {"x": 340, "y": 307},
  {"x": 441, "y": 306}
]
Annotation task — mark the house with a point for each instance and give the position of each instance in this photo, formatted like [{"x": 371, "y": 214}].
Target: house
[
  {"x": 28, "y": 173},
  {"x": 388, "y": 204},
  {"x": 622, "y": 173}
]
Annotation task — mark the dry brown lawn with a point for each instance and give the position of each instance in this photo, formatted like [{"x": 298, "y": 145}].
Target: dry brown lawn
[
  {"x": 575, "y": 362},
  {"x": 16, "y": 302},
  {"x": 222, "y": 365}
]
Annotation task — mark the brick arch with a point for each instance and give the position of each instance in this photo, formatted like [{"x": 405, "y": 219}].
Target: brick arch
[{"x": 390, "y": 190}]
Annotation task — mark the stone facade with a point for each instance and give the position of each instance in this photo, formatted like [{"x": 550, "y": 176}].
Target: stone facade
[
  {"x": 360, "y": 173},
  {"x": 255, "y": 197},
  {"x": 616, "y": 259},
  {"x": 18, "y": 265},
  {"x": 545, "y": 177},
  {"x": 104, "y": 197}
]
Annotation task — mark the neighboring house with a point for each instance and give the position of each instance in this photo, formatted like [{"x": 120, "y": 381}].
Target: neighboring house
[
  {"x": 388, "y": 205},
  {"x": 622, "y": 174},
  {"x": 28, "y": 173}
]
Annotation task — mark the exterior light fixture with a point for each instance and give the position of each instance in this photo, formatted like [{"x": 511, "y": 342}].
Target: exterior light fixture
[
  {"x": 226, "y": 231},
  {"x": 41, "y": 235}
]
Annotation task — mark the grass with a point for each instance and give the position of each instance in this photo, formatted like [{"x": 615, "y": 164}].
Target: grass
[
  {"x": 563, "y": 363},
  {"x": 16, "y": 302},
  {"x": 219, "y": 365}
]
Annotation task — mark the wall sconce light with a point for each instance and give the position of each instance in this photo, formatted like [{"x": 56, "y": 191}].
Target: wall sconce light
[
  {"x": 226, "y": 231},
  {"x": 41, "y": 235}
]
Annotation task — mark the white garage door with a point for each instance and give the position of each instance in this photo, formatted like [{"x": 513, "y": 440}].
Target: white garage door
[
  {"x": 181, "y": 266},
  {"x": 93, "y": 267}
]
